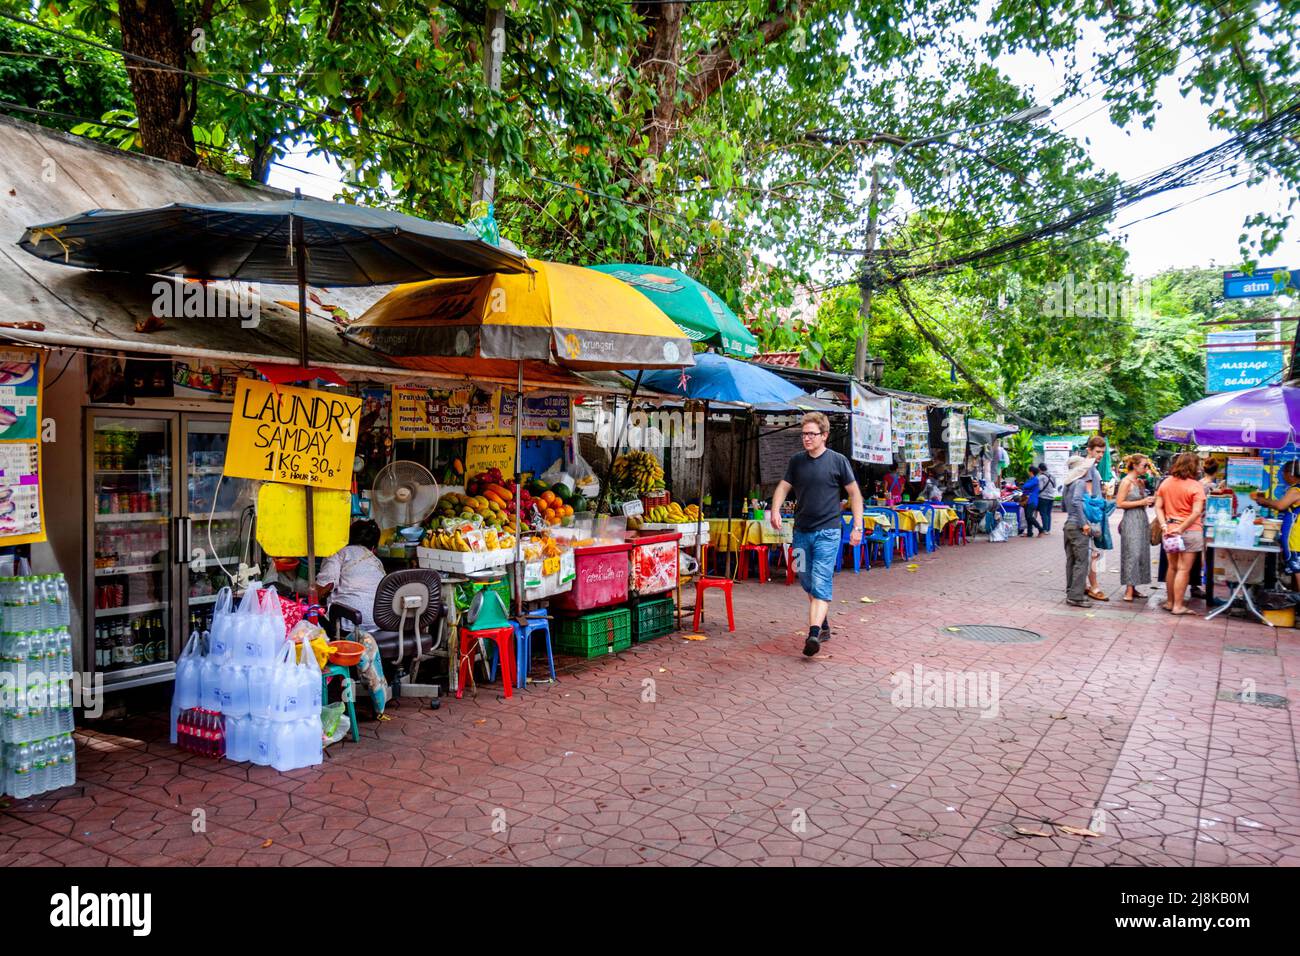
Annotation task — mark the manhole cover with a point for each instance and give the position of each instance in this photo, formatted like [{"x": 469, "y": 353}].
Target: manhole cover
[
  {"x": 1252, "y": 650},
  {"x": 992, "y": 634},
  {"x": 1258, "y": 699}
]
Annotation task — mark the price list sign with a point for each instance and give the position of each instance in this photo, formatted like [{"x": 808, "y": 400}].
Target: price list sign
[
  {"x": 292, "y": 435},
  {"x": 22, "y": 518}
]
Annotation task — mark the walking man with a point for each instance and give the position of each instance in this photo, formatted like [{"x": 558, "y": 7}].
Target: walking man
[
  {"x": 1046, "y": 498},
  {"x": 1078, "y": 533},
  {"x": 819, "y": 477}
]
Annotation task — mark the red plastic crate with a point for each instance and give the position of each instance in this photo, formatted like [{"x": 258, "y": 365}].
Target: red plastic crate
[{"x": 601, "y": 576}]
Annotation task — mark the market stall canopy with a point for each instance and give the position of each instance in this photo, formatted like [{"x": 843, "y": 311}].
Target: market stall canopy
[
  {"x": 570, "y": 316},
  {"x": 697, "y": 309},
  {"x": 721, "y": 379},
  {"x": 251, "y": 242},
  {"x": 981, "y": 432},
  {"x": 1253, "y": 418}
]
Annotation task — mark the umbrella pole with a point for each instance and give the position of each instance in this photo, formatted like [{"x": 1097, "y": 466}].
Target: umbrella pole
[
  {"x": 731, "y": 491},
  {"x": 300, "y": 257},
  {"x": 704, "y": 424},
  {"x": 519, "y": 464}
]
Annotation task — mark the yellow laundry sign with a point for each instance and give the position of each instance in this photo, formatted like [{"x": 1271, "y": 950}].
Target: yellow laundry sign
[{"x": 292, "y": 435}]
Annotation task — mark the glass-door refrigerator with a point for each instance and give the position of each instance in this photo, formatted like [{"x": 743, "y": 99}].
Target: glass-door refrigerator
[
  {"x": 218, "y": 520},
  {"x": 131, "y": 543},
  {"x": 165, "y": 530}
]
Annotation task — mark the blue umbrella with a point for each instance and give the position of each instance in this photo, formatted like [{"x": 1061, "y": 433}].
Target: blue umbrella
[{"x": 720, "y": 379}]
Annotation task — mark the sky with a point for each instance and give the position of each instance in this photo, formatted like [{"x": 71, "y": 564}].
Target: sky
[{"x": 1203, "y": 233}]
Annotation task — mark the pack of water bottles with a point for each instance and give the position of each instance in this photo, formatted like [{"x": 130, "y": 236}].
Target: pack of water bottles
[
  {"x": 241, "y": 692},
  {"x": 37, "y": 752}
]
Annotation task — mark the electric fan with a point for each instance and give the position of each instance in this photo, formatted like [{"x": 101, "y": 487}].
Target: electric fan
[{"x": 404, "y": 495}]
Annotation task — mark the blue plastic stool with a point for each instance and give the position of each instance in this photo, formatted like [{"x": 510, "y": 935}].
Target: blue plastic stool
[{"x": 534, "y": 622}]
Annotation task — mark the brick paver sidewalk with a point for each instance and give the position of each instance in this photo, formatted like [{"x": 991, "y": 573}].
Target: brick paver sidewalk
[{"x": 751, "y": 753}]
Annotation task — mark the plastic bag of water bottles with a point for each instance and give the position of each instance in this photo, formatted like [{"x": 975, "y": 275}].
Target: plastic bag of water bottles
[
  {"x": 223, "y": 620},
  {"x": 187, "y": 674},
  {"x": 210, "y": 682},
  {"x": 285, "y": 685},
  {"x": 273, "y": 627}
]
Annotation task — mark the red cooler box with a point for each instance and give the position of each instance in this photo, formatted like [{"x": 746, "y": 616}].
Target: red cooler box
[
  {"x": 601, "y": 578},
  {"x": 654, "y": 562}
]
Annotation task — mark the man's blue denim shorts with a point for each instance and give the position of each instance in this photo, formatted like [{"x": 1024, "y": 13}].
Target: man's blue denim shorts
[{"x": 815, "y": 553}]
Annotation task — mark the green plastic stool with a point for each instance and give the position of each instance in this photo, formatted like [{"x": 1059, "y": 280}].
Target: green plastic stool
[{"x": 338, "y": 670}]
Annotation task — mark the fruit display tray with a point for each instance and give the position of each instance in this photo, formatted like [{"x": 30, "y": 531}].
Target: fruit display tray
[{"x": 463, "y": 562}]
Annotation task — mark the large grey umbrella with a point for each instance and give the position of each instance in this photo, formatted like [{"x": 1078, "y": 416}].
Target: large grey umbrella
[{"x": 285, "y": 241}]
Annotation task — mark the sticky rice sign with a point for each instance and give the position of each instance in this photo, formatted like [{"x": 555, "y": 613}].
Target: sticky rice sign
[{"x": 292, "y": 435}]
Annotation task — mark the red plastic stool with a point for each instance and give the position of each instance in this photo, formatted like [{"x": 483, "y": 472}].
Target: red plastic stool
[
  {"x": 955, "y": 530},
  {"x": 791, "y": 575},
  {"x": 724, "y": 585},
  {"x": 760, "y": 551},
  {"x": 504, "y": 637},
  {"x": 708, "y": 554}
]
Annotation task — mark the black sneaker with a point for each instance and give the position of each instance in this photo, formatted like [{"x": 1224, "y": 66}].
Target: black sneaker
[
  {"x": 825, "y": 634},
  {"x": 811, "y": 646}
]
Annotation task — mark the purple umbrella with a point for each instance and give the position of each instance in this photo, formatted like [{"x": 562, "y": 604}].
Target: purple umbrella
[{"x": 1253, "y": 418}]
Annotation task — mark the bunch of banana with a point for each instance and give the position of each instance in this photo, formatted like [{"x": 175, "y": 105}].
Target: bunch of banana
[
  {"x": 673, "y": 513},
  {"x": 447, "y": 541},
  {"x": 639, "y": 470}
]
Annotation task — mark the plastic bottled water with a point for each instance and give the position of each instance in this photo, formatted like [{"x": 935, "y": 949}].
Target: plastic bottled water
[
  {"x": 309, "y": 741},
  {"x": 260, "y": 743},
  {"x": 238, "y": 738}
]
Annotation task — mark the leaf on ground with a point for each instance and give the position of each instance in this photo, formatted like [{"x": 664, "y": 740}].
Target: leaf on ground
[
  {"x": 919, "y": 833},
  {"x": 913, "y": 567},
  {"x": 1033, "y": 831},
  {"x": 1077, "y": 831},
  {"x": 663, "y": 670},
  {"x": 867, "y": 600},
  {"x": 1089, "y": 614},
  {"x": 266, "y": 843},
  {"x": 480, "y": 722},
  {"x": 697, "y": 637},
  {"x": 1059, "y": 716},
  {"x": 955, "y": 630},
  {"x": 1013, "y": 767}
]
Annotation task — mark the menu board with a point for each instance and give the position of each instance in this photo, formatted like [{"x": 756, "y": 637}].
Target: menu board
[
  {"x": 911, "y": 430},
  {"x": 21, "y": 505},
  {"x": 1244, "y": 475},
  {"x": 443, "y": 412},
  {"x": 955, "y": 432},
  {"x": 873, "y": 439},
  {"x": 1056, "y": 458},
  {"x": 545, "y": 416}
]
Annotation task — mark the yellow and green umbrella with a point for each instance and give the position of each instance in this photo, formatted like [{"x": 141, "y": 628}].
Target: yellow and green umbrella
[
  {"x": 559, "y": 314},
  {"x": 696, "y": 308}
]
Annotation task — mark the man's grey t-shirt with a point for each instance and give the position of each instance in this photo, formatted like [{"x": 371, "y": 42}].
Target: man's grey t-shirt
[{"x": 818, "y": 488}]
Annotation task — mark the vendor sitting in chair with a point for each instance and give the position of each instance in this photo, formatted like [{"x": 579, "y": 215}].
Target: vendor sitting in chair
[{"x": 352, "y": 575}]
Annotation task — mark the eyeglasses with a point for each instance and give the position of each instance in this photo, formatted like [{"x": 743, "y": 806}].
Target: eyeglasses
[{"x": 811, "y": 434}]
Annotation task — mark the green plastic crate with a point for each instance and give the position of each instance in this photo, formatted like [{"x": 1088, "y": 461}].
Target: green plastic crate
[
  {"x": 653, "y": 618},
  {"x": 602, "y": 632}
]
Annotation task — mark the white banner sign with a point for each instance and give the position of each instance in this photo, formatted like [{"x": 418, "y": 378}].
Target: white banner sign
[
  {"x": 873, "y": 440},
  {"x": 1089, "y": 423},
  {"x": 1056, "y": 458},
  {"x": 911, "y": 430}
]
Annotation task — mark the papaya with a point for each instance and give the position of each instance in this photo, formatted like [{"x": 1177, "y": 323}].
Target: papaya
[
  {"x": 505, "y": 494},
  {"x": 458, "y": 466},
  {"x": 494, "y": 498}
]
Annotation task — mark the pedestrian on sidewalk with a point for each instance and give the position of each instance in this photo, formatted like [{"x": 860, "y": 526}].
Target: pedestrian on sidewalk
[
  {"x": 1046, "y": 498},
  {"x": 893, "y": 485},
  {"x": 1134, "y": 528},
  {"x": 1031, "y": 491},
  {"x": 1180, "y": 505},
  {"x": 819, "y": 477},
  {"x": 1096, "y": 450},
  {"x": 1078, "y": 533}
]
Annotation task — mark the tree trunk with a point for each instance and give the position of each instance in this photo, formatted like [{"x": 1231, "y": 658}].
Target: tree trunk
[
  {"x": 657, "y": 60},
  {"x": 153, "y": 29}
]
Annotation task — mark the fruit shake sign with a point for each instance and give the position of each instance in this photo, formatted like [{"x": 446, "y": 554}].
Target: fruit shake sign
[{"x": 292, "y": 435}]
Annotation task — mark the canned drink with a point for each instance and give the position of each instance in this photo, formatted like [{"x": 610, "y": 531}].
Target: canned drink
[
  {"x": 141, "y": 501},
  {"x": 114, "y": 504},
  {"x": 123, "y": 503},
  {"x": 101, "y": 503}
]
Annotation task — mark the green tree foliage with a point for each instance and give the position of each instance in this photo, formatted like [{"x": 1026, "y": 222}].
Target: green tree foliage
[{"x": 58, "y": 75}]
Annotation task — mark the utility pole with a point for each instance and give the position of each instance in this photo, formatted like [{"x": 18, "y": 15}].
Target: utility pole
[
  {"x": 494, "y": 48},
  {"x": 868, "y": 278}
]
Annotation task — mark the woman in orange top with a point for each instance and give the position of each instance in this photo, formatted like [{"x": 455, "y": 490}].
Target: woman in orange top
[{"x": 1180, "y": 505}]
